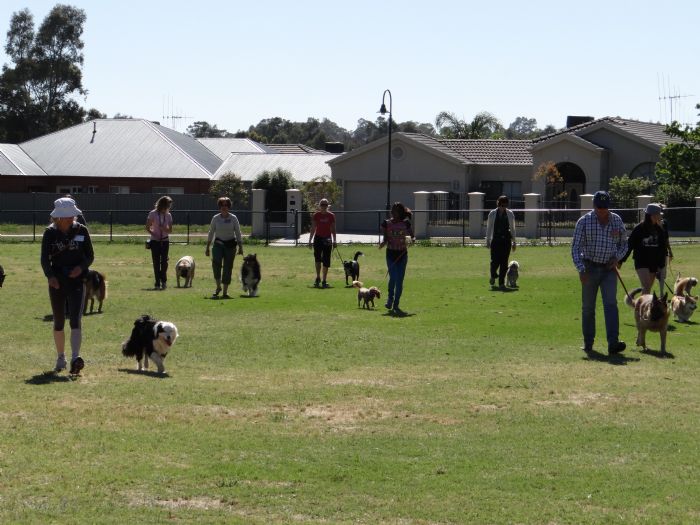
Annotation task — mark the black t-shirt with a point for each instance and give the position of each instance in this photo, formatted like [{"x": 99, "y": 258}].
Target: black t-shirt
[{"x": 61, "y": 252}]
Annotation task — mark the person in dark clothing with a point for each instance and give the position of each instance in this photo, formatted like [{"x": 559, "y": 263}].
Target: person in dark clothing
[
  {"x": 500, "y": 238},
  {"x": 66, "y": 255},
  {"x": 159, "y": 224},
  {"x": 649, "y": 247}
]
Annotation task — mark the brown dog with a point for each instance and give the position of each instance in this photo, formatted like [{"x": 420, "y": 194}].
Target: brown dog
[
  {"x": 650, "y": 313},
  {"x": 683, "y": 307},
  {"x": 685, "y": 285},
  {"x": 185, "y": 268},
  {"x": 95, "y": 288}
]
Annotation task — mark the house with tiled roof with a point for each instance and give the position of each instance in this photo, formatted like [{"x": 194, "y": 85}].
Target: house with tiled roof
[
  {"x": 424, "y": 163},
  {"x": 589, "y": 154}
]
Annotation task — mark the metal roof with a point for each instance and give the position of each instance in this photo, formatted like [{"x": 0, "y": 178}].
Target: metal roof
[
  {"x": 223, "y": 147},
  {"x": 303, "y": 166},
  {"x": 14, "y": 161},
  {"x": 122, "y": 148}
]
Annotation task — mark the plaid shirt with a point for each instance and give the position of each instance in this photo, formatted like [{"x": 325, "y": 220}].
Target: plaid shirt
[{"x": 594, "y": 242}]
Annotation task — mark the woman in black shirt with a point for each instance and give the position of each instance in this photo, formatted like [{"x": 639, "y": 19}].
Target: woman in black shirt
[
  {"x": 66, "y": 255},
  {"x": 648, "y": 244}
]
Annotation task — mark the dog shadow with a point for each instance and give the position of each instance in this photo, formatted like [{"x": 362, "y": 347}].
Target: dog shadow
[
  {"x": 148, "y": 373},
  {"x": 615, "y": 359},
  {"x": 47, "y": 318},
  {"x": 246, "y": 296},
  {"x": 672, "y": 327},
  {"x": 402, "y": 315},
  {"x": 503, "y": 290},
  {"x": 91, "y": 313},
  {"x": 657, "y": 353},
  {"x": 48, "y": 377}
]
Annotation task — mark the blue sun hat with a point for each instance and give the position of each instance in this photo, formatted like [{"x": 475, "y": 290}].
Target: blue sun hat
[{"x": 601, "y": 199}]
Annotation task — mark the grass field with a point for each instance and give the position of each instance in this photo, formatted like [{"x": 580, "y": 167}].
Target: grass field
[{"x": 298, "y": 407}]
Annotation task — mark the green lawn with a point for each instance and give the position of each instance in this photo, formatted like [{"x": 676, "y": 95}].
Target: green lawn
[{"x": 298, "y": 407}]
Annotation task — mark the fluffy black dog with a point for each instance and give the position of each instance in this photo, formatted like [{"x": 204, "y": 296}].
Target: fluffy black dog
[
  {"x": 2, "y": 276},
  {"x": 250, "y": 274},
  {"x": 352, "y": 269},
  {"x": 150, "y": 338}
]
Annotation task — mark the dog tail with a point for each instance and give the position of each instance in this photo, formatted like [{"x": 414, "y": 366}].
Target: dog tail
[
  {"x": 357, "y": 284},
  {"x": 629, "y": 298},
  {"x": 357, "y": 254}
]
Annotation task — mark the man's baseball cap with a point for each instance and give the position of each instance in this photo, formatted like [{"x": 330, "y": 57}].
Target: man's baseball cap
[{"x": 601, "y": 199}]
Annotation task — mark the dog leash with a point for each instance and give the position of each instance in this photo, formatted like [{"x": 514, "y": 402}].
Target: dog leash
[
  {"x": 342, "y": 261},
  {"x": 617, "y": 271}
]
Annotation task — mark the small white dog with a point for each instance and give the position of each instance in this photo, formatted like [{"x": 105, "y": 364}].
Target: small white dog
[
  {"x": 150, "y": 338},
  {"x": 185, "y": 269},
  {"x": 512, "y": 274}
]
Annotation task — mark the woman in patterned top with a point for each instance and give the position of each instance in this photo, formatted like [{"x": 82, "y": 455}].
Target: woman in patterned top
[
  {"x": 159, "y": 224},
  {"x": 66, "y": 255},
  {"x": 395, "y": 231}
]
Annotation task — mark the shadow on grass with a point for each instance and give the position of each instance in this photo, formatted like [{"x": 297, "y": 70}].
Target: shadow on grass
[
  {"x": 615, "y": 359},
  {"x": 148, "y": 373},
  {"x": 46, "y": 378},
  {"x": 657, "y": 353},
  {"x": 47, "y": 318},
  {"x": 246, "y": 296},
  {"x": 503, "y": 290}
]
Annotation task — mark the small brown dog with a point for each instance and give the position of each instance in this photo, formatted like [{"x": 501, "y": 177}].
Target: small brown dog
[
  {"x": 650, "y": 313},
  {"x": 185, "y": 268},
  {"x": 366, "y": 294},
  {"x": 685, "y": 285},
  {"x": 682, "y": 303},
  {"x": 95, "y": 288}
]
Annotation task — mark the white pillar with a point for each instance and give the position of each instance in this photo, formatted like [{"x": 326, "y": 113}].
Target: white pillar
[
  {"x": 258, "y": 219},
  {"x": 476, "y": 217},
  {"x": 642, "y": 201},
  {"x": 532, "y": 204},
  {"x": 697, "y": 215},
  {"x": 420, "y": 214},
  {"x": 586, "y": 203},
  {"x": 293, "y": 205}
]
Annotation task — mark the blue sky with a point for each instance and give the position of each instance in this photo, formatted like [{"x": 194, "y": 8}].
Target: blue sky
[{"x": 234, "y": 63}]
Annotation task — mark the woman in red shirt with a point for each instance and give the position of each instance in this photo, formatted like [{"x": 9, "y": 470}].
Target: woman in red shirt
[
  {"x": 395, "y": 231},
  {"x": 323, "y": 236}
]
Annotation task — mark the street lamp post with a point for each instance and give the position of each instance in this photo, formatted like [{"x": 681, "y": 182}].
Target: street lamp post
[{"x": 383, "y": 111}]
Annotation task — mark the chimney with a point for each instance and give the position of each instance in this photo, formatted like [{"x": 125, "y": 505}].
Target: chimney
[
  {"x": 574, "y": 120},
  {"x": 334, "y": 147}
]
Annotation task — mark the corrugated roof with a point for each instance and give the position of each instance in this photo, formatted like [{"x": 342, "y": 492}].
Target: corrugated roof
[
  {"x": 223, "y": 147},
  {"x": 126, "y": 148},
  {"x": 14, "y": 161},
  {"x": 293, "y": 149},
  {"x": 303, "y": 167},
  {"x": 648, "y": 131},
  {"x": 493, "y": 152}
]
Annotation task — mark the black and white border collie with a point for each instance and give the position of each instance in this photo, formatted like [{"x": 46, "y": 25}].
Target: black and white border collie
[
  {"x": 150, "y": 338},
  {"x": 250, "y": 274}
]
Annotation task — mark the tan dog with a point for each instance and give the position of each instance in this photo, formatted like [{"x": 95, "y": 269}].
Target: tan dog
[
  {"x": 682, "y": 303},
  {"x": 685, "y": 285},
  {"x": 650, "y": 313},
  {"x": 366, "y": 294},
  {"x": 185, "y": 269},
  {"x": 95, "y": 288}
]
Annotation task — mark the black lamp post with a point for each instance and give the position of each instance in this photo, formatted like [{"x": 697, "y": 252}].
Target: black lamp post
[{"x": 383, "y": 111}]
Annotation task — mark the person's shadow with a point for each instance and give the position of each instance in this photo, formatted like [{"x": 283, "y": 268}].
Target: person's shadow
[
  {"x": 614, "y": 359},
  {"x": 46, "y": 378}
]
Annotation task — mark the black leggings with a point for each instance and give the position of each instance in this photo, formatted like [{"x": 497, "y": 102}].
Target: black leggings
[
  {"x": 159, "y": 254},
  {"x": 70, "y": 295},
  {"x": 500, "y": 251}
]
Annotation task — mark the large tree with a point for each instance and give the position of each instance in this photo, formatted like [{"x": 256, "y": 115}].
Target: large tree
[
  {"x": 36, "y": 90},
  {"x": 202, "y": 129},
  {"x": 678, "y": 169}
]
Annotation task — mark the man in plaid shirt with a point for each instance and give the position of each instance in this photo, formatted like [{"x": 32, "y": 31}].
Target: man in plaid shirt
[{"x": 599, "y": 242}]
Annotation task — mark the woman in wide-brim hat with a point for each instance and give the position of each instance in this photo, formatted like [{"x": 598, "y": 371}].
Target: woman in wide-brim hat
[{"x": 66, "y": 255}]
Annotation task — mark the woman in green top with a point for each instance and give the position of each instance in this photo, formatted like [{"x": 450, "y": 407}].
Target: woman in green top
[{"x": 225, "y": 232}]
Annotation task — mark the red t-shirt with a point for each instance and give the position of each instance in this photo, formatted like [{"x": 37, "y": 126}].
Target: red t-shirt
[{"x": 323, "y": 222}]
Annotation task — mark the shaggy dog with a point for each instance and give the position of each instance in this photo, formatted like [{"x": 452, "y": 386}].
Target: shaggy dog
[
  {"x": 95, "y": 288},
  {"x": 185, "y": 269},
  {"x": 250, "y": 274},
  {"x": 2, "y": 276},
  {"x": 650, "y": 313},
  {"x": 150, "y": 338},
  {"x": 352, "y": 268},
  {"x": 366, "y": 294},
  {"x": 512, "y": 274}
]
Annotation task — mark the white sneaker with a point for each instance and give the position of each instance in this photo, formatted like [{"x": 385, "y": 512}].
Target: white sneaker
[{"x": 60, "y": 363}]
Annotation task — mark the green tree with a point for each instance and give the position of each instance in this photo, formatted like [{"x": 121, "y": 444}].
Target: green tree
[
  {"x": 319, "y": 188},
  {"x": 522, "y": 128},
  {"x": 36, "y": 90},
  {"x": 276, "y": 183},
  {"x": 624, "y": 190},
  {"x": 202, "y": 129},
  {"x": 230, "y": 185},
  {"x": 678, "y": 169},
  {"x": 482, "y": 126}
]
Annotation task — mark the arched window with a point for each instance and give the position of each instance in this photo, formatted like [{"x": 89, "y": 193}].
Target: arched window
[{"x": 645, "y": 170}]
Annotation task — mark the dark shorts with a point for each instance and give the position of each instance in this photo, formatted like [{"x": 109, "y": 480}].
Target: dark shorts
[{"x": 323, "y": 246}]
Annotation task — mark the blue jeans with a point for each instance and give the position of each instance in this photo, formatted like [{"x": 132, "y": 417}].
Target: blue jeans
[
  {"x": 599, "y": 277},
  {"x": 396, "y": 263}
]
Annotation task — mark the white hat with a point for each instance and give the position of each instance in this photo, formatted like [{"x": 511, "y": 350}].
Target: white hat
[{"x": 65, "y": 207}]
